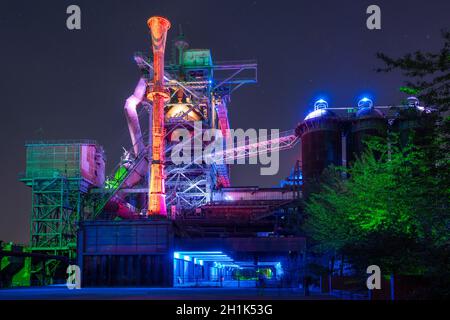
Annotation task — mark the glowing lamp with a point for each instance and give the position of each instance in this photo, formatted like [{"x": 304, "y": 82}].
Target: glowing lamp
[
  {"x": 413, "y": 102},
  {"x": 320, "y": 104},
  {"x": 365, "y": 103}
]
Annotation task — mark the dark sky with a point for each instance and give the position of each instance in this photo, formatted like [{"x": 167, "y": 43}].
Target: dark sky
[{"x": 61, "y": 84}]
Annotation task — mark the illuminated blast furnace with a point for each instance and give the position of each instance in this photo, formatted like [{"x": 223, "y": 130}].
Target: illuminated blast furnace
[{"x": 158, "y": 95}]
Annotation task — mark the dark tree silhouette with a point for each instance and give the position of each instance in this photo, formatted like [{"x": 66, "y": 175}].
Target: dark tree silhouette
[{"x": 428, "y": 74}]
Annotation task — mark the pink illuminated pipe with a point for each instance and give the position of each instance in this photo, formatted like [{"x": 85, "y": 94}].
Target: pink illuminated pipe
[
  {"x": 121, "y": 208},
  {"x": 117, "y": 203},
  {"x": 132, "y": 117},
  {"x": 140, "y": 170}
]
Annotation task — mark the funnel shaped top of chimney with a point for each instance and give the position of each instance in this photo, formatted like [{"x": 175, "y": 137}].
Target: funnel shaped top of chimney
[{"x": 161, "y": 21}]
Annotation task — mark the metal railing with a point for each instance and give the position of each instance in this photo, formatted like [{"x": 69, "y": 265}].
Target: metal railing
[{"x": 61, "y": 142}]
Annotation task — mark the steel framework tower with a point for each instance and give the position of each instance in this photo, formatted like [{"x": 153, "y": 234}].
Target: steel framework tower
[
  {"x": 55, "y": 211},
  {"x": 194, "y": 92},
  {"x": 60, "y": 174},
  {"x": 200, "y": 91}
]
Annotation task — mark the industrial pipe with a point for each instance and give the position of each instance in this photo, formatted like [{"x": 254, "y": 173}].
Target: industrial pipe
[
  {"x": 121, "y": 208},
  {"x": 132, "y": 117},
  {"x": 158, "y": 95},
  {"x": 138, "y": 170}
]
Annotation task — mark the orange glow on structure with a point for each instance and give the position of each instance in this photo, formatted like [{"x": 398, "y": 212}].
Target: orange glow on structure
[
  {"x": 159, "y": 95},
  {"x": 181, "y": 110}
]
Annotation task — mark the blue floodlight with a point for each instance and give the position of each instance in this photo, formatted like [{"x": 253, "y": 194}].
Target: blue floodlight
[
  {"x": 320, "y": 104},
  {"x": 365, "y": 103}
]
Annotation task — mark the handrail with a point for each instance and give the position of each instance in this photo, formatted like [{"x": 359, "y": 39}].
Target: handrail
[{"x": 60, "y": 142}]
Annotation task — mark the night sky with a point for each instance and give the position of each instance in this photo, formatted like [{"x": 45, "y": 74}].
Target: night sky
[{"x": 61, "y": 84}]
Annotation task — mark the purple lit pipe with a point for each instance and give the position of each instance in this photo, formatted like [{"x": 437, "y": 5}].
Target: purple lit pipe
[
  {"x": 132, "y": 116},
  {"x": 140, "y": 170},
  {"x": 117, "y": 203},
  {"x": 136, "y": 175},
  {"x": 121, "y": 208}
]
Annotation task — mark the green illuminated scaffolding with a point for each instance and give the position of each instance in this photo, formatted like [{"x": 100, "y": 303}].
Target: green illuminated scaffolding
[
  {"x": 59, "y": 184},
  {"x": 60, "y": 174},
  {"x": 55, "y": 211}
]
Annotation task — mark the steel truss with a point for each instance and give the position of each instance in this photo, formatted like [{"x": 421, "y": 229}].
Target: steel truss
[
  {"x": 207, "y": 91},
  {"x": 56, "y": 205}
]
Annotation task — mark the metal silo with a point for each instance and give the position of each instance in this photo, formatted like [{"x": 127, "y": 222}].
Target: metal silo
[
  {"x": 320, "y": 134},
  {"x": 409, "y": 121},
  {"x": 367, "y": 122}
]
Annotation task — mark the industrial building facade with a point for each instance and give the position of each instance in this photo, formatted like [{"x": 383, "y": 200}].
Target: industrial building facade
[{"x": 149, "y": 253}]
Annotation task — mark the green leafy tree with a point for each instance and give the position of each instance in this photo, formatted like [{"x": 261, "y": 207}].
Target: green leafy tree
[
  {"x": 393, "y": 209},
  {"x": 427, "y": 73}
]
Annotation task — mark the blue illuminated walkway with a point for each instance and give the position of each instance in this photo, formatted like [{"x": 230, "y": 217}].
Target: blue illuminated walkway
[{"x": 62, "y": 293}]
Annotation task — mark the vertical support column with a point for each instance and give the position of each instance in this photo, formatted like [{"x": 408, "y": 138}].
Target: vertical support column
[
  {"x": 158, "y": 95},
  {"x": 213, "y": 113}
]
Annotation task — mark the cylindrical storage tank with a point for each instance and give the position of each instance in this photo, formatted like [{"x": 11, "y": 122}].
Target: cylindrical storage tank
[
  {"x": 409, "y": 122},
  {"x": 367, "y": 122},
  {"x": 321, "y": 143}
]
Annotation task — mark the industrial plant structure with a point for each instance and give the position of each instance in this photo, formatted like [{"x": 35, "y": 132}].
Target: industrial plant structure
[{"x": 153, "y": 222}]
